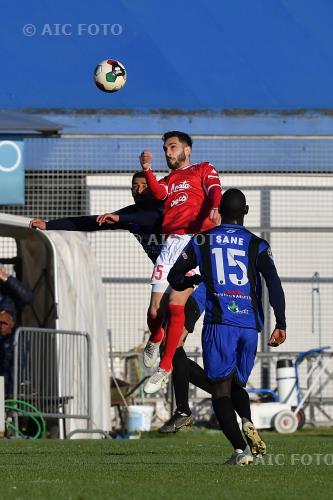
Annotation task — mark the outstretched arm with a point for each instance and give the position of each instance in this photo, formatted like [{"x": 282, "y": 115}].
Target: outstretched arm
[
  {"x": 121, "y": 219},
  {"x": 83, "y": 223},
  {"x": 138, "y": 216}
]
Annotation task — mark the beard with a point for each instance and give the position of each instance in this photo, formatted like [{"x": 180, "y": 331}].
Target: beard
[{"x": 174, "y": 164}]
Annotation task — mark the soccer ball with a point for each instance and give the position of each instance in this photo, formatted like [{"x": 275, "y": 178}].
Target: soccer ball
[{"x": 110, "y": 75}]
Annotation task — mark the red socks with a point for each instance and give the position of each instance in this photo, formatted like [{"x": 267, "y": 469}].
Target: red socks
[
  {"x": 173, "y": 334},
  {"x": 156, "y": 330}
]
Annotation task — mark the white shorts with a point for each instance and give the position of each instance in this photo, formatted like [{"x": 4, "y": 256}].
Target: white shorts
[{"x": 171, "y": 250}]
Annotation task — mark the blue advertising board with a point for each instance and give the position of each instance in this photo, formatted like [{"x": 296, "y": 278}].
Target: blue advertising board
[{"x": 11, "y": 172}]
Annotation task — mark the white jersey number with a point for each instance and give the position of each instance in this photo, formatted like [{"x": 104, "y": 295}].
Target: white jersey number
[{"x": 233, "y": 261}]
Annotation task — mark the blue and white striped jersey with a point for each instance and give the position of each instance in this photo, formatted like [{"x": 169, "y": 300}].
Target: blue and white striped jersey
[{"x": 231, "y": 261}]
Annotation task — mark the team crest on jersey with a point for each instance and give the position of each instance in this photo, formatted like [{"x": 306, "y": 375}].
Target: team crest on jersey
[
  {"x": 184, "y": 255},
  {"x": 179, "y": 201}
]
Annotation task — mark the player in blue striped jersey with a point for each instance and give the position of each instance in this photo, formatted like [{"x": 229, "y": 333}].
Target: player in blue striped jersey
[{"x": 231, "y": 261}]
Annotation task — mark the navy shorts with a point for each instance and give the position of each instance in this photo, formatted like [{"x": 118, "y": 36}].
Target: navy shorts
[
  {"x": 194, "y": 307},
  {"x": 228, "y": 350},
  {"x": 199, "y": 295}
]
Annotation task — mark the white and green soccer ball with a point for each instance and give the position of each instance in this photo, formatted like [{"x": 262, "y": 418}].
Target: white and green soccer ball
[{"x": 110, "y": 75}]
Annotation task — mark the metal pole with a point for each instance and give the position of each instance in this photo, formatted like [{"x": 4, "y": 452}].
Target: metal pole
[
  {"x": 15, "y": 377},
  {"x": 87, "y": 336},
  {"x": 316, "y": 315},
  {"x": 265, "y": 221}
]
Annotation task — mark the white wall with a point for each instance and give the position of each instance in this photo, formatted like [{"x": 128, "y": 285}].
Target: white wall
[{"x": 296, "y": 201}]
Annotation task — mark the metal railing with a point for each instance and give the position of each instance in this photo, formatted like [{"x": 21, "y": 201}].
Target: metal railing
[
  {"x": 52, "y": 371},
  {"x": 314, "y": 383}
]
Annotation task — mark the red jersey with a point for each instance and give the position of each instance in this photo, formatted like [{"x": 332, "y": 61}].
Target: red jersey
[{"x": 189, "y": 194}]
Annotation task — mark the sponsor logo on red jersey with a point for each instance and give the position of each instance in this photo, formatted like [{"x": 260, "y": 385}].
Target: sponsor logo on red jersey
[
  {"x": 180, "y": 200},
  {"x": 179, "y": 187},
  {"x": 188, "y": 195}
]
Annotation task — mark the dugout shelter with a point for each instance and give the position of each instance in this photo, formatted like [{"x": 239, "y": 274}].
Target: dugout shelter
[{"x": 68, "y": 295}]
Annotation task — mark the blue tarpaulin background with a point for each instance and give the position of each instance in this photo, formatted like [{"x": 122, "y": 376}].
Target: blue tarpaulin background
[{"x": 188, "y": 55}]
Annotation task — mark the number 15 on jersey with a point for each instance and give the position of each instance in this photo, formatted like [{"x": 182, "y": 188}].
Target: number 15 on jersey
[{"x": 234, "y": 263}]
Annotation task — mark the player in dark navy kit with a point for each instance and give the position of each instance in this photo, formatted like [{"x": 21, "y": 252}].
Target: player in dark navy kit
[
  {"x": 231, "y": 261},
  {"x": 144, "y": 220}
]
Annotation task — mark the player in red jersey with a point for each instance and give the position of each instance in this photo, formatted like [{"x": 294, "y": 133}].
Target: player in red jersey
[{"x": 191, "y": 195}]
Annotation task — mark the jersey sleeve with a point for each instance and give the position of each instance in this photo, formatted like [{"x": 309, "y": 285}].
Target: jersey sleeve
[
  {"x": 185, "y": 262},
  {"x": 17, "y": 291},
  {"x": 84, "y": 223},
  {"x": 88, "y": 223},
  {"x": 141, "y": 217},
  {"x": 212, "y": 184},
  {"x": 159, "y": 188},
  {"x": 266, "y": 267}
]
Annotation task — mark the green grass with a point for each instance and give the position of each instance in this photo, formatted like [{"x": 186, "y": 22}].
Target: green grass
[{"x": 188, "y": 465}]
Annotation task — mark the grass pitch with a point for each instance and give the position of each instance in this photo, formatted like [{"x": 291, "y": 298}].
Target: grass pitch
[{"x": 188, "y": 465}]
